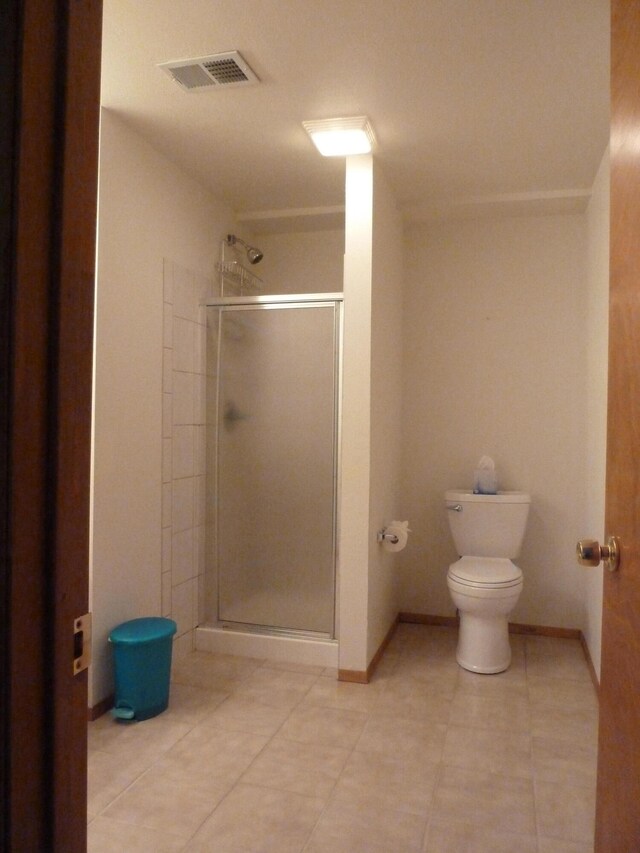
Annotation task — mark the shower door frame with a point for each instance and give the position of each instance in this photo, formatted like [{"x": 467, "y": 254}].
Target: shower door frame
[{"x": 270, "y": 302}]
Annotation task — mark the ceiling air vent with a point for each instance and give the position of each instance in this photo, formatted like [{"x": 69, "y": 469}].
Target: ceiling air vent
[{"x": 221, "y": 69}]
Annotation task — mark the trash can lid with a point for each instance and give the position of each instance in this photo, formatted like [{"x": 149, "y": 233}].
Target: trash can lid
[{"x": 143, "y": 630}]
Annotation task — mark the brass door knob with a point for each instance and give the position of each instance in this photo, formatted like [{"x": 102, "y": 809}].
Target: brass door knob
[{"x": 590, "y": 553}]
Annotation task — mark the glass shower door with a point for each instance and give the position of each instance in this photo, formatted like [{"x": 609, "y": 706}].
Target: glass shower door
[{"x": 276, "y": 464}]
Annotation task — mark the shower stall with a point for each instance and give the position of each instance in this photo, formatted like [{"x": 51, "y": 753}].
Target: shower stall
[{"x": 273, "y": 396}]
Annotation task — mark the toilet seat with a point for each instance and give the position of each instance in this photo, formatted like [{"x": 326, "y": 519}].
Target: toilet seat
[{"x": 485, "y": 573}]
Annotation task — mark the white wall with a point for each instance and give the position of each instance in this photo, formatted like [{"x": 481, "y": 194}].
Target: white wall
[
  {"x": 371, "y": 399},
  {"x": 148, "y": 210},
  {"x": 353, "y": 547},
  {"x": 302, "y": 262},
  {"x": 596, "y": 337},
  {"x": 386, "y": 406},
  {"x": 494, "y": 363}
]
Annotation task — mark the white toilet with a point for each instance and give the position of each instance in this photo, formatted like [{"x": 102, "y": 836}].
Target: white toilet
[{"x": 484, "y": 584}]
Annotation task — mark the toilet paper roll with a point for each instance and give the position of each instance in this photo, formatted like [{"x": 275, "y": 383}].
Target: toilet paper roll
[{"x": 400, "y": 529}]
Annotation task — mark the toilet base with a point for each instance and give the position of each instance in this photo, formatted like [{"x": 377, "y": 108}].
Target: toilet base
[{"x": 483, "y": 643}]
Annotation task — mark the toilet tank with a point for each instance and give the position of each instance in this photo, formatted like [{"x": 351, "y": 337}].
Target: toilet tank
[{"x": 487, "y": 525}]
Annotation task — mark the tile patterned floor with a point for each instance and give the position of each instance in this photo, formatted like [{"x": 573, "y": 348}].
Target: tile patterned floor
[{"x": 258, "y": 756}]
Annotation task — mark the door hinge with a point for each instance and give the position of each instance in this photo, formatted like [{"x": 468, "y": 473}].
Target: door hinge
[{"x": 81, "y": 643}]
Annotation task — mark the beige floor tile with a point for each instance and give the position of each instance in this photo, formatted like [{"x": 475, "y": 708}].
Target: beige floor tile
[
  {"x": 280, "y": 688},
  {"x": 303, "y": 768},
  {"x": 577, "y": 725},
  {"x": 562, "y": 694},
  {"x": 547, "y": 666},
  {"x": 507, "y": 753},
  {"x": 170, "y": 797},
  {"x": 331, "y": 726},
  {"x": 508, "y": 684},
  {"x": 244, "y": 715},
  {"x": 252, "y": 819},
  {"x": 150, "y": 738},
  {"x": 451, "y": 837},
  {"x": 377, "y": 781},
  {"x": 444, "y": 672},
  {"x": 403, "y": 737},
  {"x": 501, "y": 804},
  {"x": 385, "y": 669},
  {"x": 562, "y": 761},
  {"x": 554, "y": 647},
  {"x": 221, "y": 752},
  {"x": 111, "y": 836},
  {"x": 565, "y": 812},
  {"x": 212, "y": 671},
  {"x": 109, "y": 775},
  {"x": 344, "y": 695},
  {"x": 555, "y": 845},
  {"x": 424, "y": 700},
  {"x": 191, "y": 704},
  {"x": 497, "y": 713},
  {"x": 343, "y": 829}
]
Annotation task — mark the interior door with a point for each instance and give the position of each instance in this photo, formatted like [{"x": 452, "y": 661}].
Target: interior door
[
  {"x": 48, "y": 229},
  {"x": 618, "y": 795}
]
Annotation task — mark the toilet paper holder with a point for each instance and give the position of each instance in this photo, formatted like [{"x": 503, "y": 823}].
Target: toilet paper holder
[{"x": 383, "y": 536}]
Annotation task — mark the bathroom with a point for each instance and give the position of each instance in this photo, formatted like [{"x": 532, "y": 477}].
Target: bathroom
[{"x": 486, "y": 353}]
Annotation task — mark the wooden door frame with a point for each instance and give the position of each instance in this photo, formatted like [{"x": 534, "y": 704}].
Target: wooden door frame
[{"x": 52, "y": 74}]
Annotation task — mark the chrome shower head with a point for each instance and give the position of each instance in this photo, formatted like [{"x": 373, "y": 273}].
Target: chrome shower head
[{"x": 254, "y": 255}]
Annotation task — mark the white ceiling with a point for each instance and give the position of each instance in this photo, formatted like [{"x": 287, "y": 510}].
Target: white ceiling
[{"x": 472, "y": 101}]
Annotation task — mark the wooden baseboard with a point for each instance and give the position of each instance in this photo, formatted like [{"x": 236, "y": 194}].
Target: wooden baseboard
[
  {"x": 364, "y": 677},
  {"x": 426, "y": 619},
  {"x": 356, "y": 676},
  {"x": 592, "y": 669},
  {"x": 101, "y": 708},
  {"x": 545, "y": 631},
  {"x": 514, "y": 627}
]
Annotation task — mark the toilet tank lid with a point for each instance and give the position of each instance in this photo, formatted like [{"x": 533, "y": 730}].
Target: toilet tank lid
[{"x": 461, "y": 495}]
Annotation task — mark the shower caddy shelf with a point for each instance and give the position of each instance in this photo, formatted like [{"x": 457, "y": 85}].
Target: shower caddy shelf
[{"x": 234, "y": 273}]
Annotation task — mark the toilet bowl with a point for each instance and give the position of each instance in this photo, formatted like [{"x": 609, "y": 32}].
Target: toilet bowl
[{"x": 484, "y": 584}]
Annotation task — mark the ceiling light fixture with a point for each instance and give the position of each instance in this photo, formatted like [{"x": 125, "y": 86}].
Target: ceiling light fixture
[{"x": 339, "y": 137}]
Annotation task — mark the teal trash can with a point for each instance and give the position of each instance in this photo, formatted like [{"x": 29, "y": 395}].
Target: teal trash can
[{"x": 142, "y": 663}]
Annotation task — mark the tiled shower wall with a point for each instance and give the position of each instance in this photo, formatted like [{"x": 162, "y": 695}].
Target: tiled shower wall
[{"x": 183, "y": 449}]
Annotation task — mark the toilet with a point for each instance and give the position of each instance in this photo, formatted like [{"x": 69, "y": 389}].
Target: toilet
[{"x": 484, "y": 584}]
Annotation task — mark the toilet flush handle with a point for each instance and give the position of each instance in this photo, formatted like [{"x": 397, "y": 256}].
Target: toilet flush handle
[{"x": 455, "y": 507}]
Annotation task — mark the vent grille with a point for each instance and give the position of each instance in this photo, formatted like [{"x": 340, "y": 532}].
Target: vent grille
[{"x": 221, "y": 69}]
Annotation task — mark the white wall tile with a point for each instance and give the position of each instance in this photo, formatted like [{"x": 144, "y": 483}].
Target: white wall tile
[
  {"x": 199, "y": 450},
  {"x": 183, "y": 451},
  {"x": 166, "y": 504},
  {"x": 167, "y": 280},
  {"x": 199, "y": 350},
  {"x": 166, "y": 593},
  {"x": 199, "y": 493},
  {"x": 182, "y": 504},
  {"x": 182, "y": 557},
  {"x": 182, "y": 606},
  {"x": 183, "y": 398},
  {"x": 167, "y": 369},
  {"x": 166, "y": 549},
  {"x": 166, "y": 460},
  {"x": 199, "y": 548},
  {"x": 167, "y": 325},
  {"x": 185, "y": 301},
  {"x": 199, "y": 401},
  {"x": 167, "y": 415},
  {"x": 183, "y": 344}
]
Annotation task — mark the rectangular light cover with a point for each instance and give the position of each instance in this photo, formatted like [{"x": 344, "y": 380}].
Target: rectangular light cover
[{"x": 339, "y": 137}]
